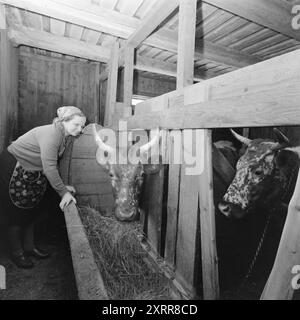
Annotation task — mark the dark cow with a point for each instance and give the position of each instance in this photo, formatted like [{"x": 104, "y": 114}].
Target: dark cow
[
  {"x": 265, "y": 176},
  {"x": 126, "y": 179}
]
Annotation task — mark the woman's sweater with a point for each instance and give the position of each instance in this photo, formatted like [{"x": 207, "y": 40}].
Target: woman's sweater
[{"x": 39, "y": 149}]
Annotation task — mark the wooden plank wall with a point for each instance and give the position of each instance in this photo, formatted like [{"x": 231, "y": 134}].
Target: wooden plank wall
[
  {"x": 8, "y": 90},
  {"x": 48, "y": 81}
]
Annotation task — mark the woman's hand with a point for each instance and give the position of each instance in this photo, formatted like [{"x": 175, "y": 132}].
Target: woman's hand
[
  {"x": 71, "y": 189},
  {"x": 66, "y": 199}
]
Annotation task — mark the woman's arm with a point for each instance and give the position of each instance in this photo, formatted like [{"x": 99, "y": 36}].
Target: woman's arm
[{"x": 49, "y": 146}]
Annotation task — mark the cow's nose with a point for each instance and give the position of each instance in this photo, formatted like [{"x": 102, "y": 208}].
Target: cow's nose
[
  {"x": 225, "y": 208},
  {"x": 126, "y": 215}
]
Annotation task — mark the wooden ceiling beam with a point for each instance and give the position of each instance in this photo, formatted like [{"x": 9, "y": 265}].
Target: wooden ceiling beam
[
  {"x": 143, "y": 63},
  {"x": 273, "y": 14},
  {"x": 47, "y": 41},
  {"x": 159, "y": 12},
  {"x": 119, "y": 25}
]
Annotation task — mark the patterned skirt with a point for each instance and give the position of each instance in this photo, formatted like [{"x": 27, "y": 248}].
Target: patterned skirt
[
  {"x": 27, "y": 188},
  {"x": 21, "y": 192}
]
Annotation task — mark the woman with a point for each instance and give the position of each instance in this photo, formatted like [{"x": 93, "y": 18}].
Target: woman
[{"x": 26, "y": 166}]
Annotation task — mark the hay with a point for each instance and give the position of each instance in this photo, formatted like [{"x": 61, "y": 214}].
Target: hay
[{"x": 121, "y": 259}]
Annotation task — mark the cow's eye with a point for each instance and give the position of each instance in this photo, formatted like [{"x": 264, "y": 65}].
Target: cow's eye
[{"x": 258, "y": 172}]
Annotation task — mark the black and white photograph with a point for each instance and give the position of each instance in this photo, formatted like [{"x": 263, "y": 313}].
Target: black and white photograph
[{"x": 149, "y": 153}]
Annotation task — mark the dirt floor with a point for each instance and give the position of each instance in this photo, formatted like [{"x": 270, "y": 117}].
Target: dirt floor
[{"x": 50, "y": 279}]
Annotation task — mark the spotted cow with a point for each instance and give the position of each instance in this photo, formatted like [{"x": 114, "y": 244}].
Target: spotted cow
[{"x": 265, "y": 176}]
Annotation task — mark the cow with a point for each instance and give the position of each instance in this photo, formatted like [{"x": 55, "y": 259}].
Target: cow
[
  {"x": 265, "y": 176},
  {"x": 126, "y": 179}
]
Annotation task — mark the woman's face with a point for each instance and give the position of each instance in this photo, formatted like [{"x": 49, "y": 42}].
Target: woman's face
[{"x": 74, "y": 126}]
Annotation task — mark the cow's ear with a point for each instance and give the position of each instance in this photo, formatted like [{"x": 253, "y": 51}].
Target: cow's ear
[{"x": 286, "y": 159}]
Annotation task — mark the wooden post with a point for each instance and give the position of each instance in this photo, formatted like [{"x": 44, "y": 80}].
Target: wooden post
[
  {"x": 210, "y": 277},
  {"x": 188, "y": 185},
  {"x": 186, "y": 43},
  {"x": 2, "y": 17},
  {"x": 128, "y": 75},
  {"x": 111, "y": 91},
  {"x": 2, "y": 76},
  {"x": 97, "y": 106}
]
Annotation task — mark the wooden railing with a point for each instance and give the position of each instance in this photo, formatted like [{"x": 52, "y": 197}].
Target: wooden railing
[{"x": 264, "y": 94}]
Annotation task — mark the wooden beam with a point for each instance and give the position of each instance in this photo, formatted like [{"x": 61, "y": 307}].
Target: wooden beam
[
  {"x": 2, "y": 17},
  {"x": 108, "y": 21},
  {"x": 254, "y": 83},
  {"x": 168, "y": 40},
  {"x": 279, "y": 110},
  {"x": 111, "y": 91},
  {"x": 47, "y": 41},
  {"x": 186, "y": 43},
  {"x": 128, "y": 75},
  {"x": 159, "y": 12},
  {"x": 144, "y": 63},
  {"x": 79, "y": 13},
  {"x": 274, "y": 14}
]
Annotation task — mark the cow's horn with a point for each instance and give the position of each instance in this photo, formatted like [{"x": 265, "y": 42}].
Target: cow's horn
[
  {"x": 282, "y": 139},
  {"x": 151, "y": 143},
  {"x": 242, "y": 139},
  {"x": 100, "y": 143}
]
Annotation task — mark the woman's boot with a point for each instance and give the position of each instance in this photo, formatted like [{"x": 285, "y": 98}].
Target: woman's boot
[
  {"x": 16, "y": 251},
  {"x": 29, "y": 246}
]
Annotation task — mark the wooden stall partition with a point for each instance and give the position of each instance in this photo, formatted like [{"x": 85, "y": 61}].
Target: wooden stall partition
[
  {"x": 153, "y": 210},
  {"x": 210, "y": 275},
  {"x": 173, "y": 202},
  {"x": 153, "y": 206},
  {"x": 8, "y": 86}
]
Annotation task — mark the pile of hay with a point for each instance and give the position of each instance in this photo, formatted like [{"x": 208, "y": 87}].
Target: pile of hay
[{"x": 121, "y": 259}]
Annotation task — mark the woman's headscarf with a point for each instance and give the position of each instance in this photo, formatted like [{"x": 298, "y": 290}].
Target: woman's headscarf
[{"x": 66, "y": 112}]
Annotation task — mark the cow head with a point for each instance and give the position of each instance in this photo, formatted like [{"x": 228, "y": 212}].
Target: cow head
[
  {"x": 262, "y": 175},
  {"x": 126, "y": 179}
]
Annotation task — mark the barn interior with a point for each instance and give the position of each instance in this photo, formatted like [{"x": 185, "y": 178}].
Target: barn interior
[{"x": 130, "y": 59}]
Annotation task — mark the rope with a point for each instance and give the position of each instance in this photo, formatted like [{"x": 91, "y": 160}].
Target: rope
[{"x": 253, "y": 262}]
